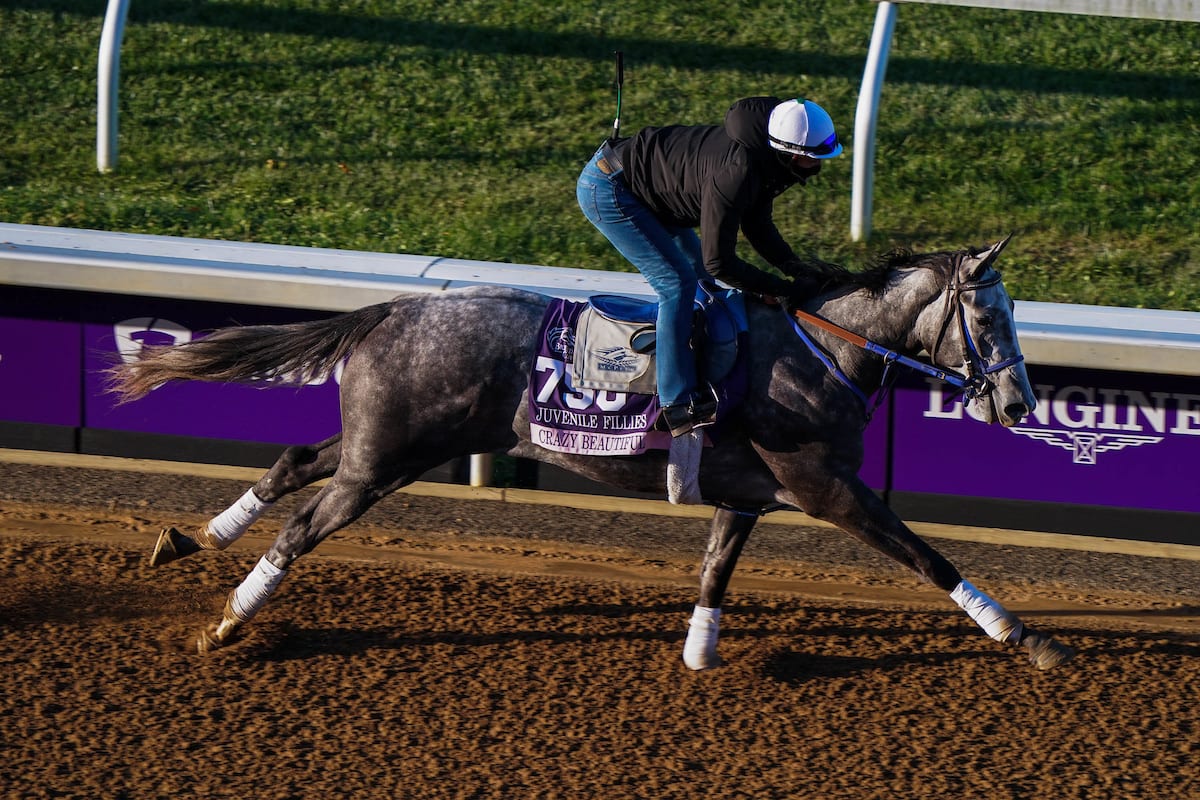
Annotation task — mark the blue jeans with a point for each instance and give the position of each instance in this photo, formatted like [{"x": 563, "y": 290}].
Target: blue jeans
[{"x": 668, "y": 256}]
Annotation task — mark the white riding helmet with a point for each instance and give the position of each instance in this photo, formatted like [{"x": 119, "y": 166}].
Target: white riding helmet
[{"x": 801, "y": 127}]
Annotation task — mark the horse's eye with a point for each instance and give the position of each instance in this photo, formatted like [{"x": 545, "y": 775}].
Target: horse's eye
[{"x": 985, "y": 320}]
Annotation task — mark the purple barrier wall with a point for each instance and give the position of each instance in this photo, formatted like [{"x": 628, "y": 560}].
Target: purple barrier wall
[
  {"x": 40, "y": 381},
  {"x": 40, "y": 353},
  {"x": 1099, "y": 439}
]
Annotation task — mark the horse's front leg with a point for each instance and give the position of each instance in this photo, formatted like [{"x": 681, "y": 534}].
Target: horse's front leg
[
  {"x": 854, "y": 508},
  {"x": 296, "y": 468},
  {"x": 730, "y": 530}
]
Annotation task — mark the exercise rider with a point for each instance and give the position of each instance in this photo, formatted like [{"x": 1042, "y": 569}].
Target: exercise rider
[{"x": 648, "y": 193}]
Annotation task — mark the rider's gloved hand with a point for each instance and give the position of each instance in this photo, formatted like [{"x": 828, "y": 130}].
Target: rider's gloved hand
[{"x": 804, "y": 287}]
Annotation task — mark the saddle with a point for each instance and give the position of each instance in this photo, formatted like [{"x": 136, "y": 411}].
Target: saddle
[{"x": 615, "y": 340}]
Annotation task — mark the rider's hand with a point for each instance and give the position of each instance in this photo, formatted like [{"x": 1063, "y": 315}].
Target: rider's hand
[{"x": 804, "y": 287}]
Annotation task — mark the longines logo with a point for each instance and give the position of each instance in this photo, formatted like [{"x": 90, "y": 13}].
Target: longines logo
[{"x": 1087, "y": 421}]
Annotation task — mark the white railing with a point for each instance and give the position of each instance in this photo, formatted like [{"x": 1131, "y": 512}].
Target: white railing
[{"x": 867, "y": 113}]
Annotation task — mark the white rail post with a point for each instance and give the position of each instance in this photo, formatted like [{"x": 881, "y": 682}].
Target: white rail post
[
  {"x": 881, "y": 41},
  {"x": 865, "y": 119},
  {"x": 108, "y": 74},
  {"x": 481, "y": 469}
]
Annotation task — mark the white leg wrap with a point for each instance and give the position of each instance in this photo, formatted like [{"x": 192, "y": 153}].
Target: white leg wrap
[
  {"x": 252, "y": 593},
  {"x": 228, "y": 526},
  {"x": 987, "y": 613},
  {"x": 700, "y": 648}
]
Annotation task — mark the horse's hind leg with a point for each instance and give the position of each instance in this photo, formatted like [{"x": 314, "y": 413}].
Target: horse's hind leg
[
  {"x": 729, "y": 532},
  {"x": 296, "y": 468},
  {"x": 337, "y": 505}
]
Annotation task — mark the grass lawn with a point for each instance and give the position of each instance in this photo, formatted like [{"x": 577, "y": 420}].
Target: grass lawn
[{"x": 458, "y": 129}]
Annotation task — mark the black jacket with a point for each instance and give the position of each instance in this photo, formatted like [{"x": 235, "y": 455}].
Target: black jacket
[{"x": 720, "y": 178}]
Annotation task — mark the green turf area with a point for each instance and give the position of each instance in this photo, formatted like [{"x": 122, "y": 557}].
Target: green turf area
[{"x": 457, "y": 129}]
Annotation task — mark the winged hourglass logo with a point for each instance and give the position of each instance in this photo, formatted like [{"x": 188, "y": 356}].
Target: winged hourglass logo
[{"x": 1085, "y": 444}]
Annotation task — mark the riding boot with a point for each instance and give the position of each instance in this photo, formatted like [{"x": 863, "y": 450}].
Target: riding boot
[
  {"x": 699, "y": 411},
  {"x": 678, "y": 418},
  {"x": 703, "y": 407}
]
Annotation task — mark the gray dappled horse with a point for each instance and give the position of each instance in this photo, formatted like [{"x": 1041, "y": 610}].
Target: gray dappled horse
[{"x": 431, "y": 377}]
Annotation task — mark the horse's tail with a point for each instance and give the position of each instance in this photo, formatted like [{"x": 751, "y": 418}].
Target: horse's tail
[{"x": 293, "y": 354}]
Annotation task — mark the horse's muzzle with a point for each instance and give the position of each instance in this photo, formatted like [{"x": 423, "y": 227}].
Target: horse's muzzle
[{"x": 1015, "y": 412}]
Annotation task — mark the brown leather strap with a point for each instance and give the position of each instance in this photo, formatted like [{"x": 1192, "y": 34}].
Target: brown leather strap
[{"x": 829, "y": 327}]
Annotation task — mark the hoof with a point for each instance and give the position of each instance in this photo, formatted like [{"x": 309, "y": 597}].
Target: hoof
[
  {"x": 699, "y": 654},
  {"x": 700, "y": 646},
  {"x": 172, "y": 546},
  {"x": 704, "y": 663},
  {"x": 1045, "y": 652},
  {"x": 216, "y": 636},
  {"x": 207, "y": 641}
]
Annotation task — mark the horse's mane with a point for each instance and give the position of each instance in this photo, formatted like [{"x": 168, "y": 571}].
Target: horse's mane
[{"x": 878, "y": 274}]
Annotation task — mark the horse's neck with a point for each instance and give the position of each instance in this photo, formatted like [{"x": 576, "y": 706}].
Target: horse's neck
[{"x": 892, "y": 319}]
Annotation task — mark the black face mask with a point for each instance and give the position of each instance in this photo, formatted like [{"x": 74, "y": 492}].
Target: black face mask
[{"x": 800, "y": 168}]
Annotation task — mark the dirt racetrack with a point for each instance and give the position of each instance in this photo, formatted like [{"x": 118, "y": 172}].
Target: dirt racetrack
[{"x": 444, "y": 648}]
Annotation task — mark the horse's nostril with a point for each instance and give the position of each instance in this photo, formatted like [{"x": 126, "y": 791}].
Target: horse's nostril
[{"x": 1017, "y": 411}]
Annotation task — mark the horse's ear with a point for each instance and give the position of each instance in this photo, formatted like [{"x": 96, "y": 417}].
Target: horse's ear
[{"x": 975, "y": 265}]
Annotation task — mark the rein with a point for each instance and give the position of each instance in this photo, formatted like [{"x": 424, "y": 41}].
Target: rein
[{"x": 973, "y": 385}]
